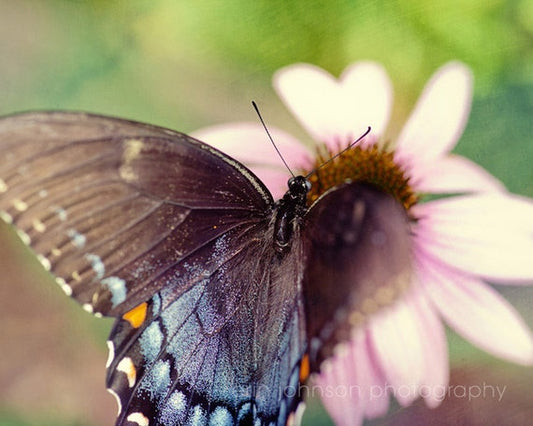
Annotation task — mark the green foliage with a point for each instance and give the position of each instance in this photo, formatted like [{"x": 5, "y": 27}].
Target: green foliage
[{"x": 498, "y": 136}]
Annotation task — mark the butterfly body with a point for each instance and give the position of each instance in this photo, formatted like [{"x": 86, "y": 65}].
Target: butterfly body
[
  {"x": 289, "y": 211},
  {"x": 218, "y": 291}
]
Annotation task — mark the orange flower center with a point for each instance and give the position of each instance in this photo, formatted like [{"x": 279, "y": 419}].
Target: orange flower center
[{"x": 372, "y": 165}]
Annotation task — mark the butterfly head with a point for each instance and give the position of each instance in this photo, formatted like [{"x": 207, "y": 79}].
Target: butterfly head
[{"x": 299, "y": 186}]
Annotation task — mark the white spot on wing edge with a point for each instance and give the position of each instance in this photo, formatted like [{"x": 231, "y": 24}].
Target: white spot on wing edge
[
  {"x": 111, "y": 353},
  {"x": 38, "y": 225},
  {"x": 126, "y": 366},
  {"x": 24, "y": 237},
  {"x": 20, "y": 205},
  {"x": 296, "y": 417},
  {"x": 117, "y": 398},
  {"x": 138, "y": 418},
  {"x": 88, "y": 307},
  {"x": 6, "y": 217},
  {"x": 3, "y": 186},
  {"x": 44, "y": 261},
  {"x": 64, "y": 286}
]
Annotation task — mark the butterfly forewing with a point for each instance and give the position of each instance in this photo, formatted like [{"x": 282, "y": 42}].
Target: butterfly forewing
[
  {"x": 109, "y": 212},
  {"x": 174, "y": 239}
]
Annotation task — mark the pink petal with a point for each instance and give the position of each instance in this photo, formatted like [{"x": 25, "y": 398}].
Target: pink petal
[
  {"x": 370, "y": 83},
  {"x": 344, "y": 407},
  {"x": 333, "y": 110},
  {"x": 274, "y": 179},
  {"x": 439, "y": 116},
  {"x": 372, "y": 385},
  {"x": 398, "y": 341},
  {"x": 433, "y": 337},
  {"x": 479, "y": 313},
  {"x": 489, "y": 235},
  {"x": 408, "y": 344},
  {"x": 249, "y": 144},
  {"x": 356, "y": 387},
  {"x": 414, "y": 351},
  {"x": 453, "y": 174}
]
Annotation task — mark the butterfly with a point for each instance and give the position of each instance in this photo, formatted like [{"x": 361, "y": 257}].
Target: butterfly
[{"x": 225, "y": 300}]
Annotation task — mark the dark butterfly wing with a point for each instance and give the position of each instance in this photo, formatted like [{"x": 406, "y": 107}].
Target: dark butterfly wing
[
  {"x": 170, "y": 236},
  {"x": 358, "y": 261},
  {"x": 214, "y": 354},
  {"x": 112, "y": 212}
]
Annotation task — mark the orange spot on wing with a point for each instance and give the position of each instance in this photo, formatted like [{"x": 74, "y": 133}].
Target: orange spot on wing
[
  {"x": 304, "y": 368},
  {"x": 137, "y": 315}
]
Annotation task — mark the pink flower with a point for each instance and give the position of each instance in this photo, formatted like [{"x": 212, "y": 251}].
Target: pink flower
[{"x": 459, "y": 241}]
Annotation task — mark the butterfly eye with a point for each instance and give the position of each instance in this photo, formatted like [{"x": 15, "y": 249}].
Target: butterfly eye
[{"x": 291, "y": 182}]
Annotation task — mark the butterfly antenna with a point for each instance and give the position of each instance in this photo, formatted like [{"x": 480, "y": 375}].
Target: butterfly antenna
[
  {"x": 270, "y": 137},
  {"x": 340, "y": 153}
]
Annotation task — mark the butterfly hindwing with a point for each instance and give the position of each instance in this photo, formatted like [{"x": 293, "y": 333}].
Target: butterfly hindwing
[
  {"x": 174, "y": 239},
  {"x": 358, "y": 261},
  {"x": 191, "y": 360}
]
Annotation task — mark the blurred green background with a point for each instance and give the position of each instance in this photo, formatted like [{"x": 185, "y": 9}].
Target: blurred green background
[{"x": 188, "y": 64}]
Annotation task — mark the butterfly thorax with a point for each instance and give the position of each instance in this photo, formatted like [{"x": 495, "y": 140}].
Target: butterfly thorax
[{"x": 289, "y": 210}]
